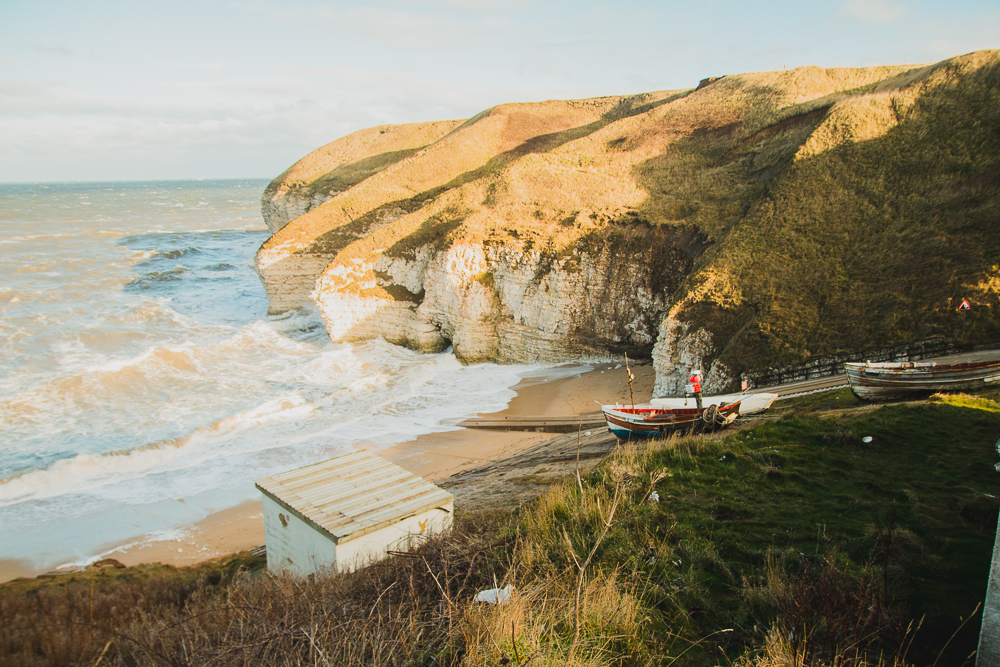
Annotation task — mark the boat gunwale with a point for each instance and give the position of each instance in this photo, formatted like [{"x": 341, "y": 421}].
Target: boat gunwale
[{"x": 932, "y": 368}]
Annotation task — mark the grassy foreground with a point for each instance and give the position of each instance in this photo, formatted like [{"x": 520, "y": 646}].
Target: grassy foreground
[{"x": 791, "y": 543}]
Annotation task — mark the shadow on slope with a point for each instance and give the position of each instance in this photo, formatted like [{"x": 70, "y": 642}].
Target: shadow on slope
[
  {"x": 338, "y": 238},
  {"x": 865, "y": 243}
]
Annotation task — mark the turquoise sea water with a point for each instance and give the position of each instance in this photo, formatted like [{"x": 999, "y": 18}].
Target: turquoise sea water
[{"x": 143, "y": 386}]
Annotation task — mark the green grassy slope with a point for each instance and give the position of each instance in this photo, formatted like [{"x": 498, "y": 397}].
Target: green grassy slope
[
  {"x": 887, "y": 217},
  {"x": 799, "y": 526},
  {"x": 349, "y": 160},
  {"x": 792, "y": 540}
]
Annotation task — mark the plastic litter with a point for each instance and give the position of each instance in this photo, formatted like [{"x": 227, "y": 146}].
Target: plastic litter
[
  {"x": 496, "y": 595},
  {"x": 654, "y": 497},
  {"x": 587, "y": 433},
  {"x": 867, "y": 439}
]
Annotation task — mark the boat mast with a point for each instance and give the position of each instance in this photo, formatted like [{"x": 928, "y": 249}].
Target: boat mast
[{"x": 630, "y": 378}]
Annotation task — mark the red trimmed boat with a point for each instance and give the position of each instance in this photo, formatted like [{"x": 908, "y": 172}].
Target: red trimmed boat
[{"x": 647, "y": 420}]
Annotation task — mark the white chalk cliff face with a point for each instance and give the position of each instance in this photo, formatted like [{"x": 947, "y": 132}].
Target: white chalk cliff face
[
  {"x": 680, "y": 349},
  {"x": 278, "y": 211},
  {"x": 493, "y": 303},
  {"x": 470, "y": 244}
]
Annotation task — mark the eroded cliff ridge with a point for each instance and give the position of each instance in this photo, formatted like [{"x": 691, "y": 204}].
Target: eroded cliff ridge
[{"x": 757, "y": 219}]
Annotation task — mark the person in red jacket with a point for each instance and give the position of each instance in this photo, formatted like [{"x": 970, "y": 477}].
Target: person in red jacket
[{"x": 695, "y": 383}]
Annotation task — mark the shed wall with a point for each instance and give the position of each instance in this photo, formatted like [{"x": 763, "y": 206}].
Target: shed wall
[
  {"x": 293, "y": 545},
  {"x": 360, "y": 551}
]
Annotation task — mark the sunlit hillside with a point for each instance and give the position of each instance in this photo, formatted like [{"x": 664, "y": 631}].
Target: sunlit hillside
[{"x": 782, "y": 214}]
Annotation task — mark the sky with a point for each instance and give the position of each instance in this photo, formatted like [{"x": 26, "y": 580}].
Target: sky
[{"x": 136, "y": 90}]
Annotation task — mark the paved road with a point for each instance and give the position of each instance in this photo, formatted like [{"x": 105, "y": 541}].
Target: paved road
[{"x": 805, "y": 386}]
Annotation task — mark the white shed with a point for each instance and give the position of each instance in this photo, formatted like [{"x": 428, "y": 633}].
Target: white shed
[{"x": 343, "y": 513}]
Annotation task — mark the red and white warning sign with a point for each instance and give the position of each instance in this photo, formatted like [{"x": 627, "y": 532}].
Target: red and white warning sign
[{"x": 964, "y": 306}]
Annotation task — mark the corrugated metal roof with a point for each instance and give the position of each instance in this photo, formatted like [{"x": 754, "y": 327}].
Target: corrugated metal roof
[{"x": 350, "y": 495}]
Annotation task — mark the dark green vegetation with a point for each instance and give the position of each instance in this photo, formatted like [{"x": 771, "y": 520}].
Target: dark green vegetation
[
  {"x": 797, "y": 528},
  {"x": 872, "y": 236},
  {"x": 790, "y": 543},
  {"x": 344, "y": 176}
]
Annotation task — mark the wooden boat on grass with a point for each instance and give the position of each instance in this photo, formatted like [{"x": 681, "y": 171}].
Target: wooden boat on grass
[
  {"x": 626, "y": 421},
  {"x": 884, "y": 381}
]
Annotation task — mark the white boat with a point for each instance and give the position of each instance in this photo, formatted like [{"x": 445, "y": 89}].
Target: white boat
[{"x": 749, "y": 403}]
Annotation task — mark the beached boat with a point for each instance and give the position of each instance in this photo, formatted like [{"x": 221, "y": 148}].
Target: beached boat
[
  {"x": 749, "y": 403},
  {"x": 626, "y": 421},
  {"x": 884, "y": 381}
]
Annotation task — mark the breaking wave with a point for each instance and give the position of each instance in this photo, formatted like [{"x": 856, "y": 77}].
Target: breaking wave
[{"x": 142, "y": 384}]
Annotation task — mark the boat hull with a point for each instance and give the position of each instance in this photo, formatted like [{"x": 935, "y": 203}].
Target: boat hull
[
  {"x": 643, "y": 421},
  {"x": 885, "y": 381},
  {"x": 749, "y": 403}
]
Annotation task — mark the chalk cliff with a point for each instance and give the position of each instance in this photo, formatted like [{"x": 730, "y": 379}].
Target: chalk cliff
[{"x": 753, "y": 220}]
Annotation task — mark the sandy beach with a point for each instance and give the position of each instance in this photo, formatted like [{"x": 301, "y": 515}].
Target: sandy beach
[{"x": 435, "y": 457}]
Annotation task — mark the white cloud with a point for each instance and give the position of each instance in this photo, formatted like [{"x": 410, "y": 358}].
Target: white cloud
[
  {"x": 951, "y": 38},
  {"x": 876, "y": 12},
  {"x": 253, "y": 84},
  {"x": 213, "y": 65},
  {"x": 217, "y": 142},
  {"x": 21, "y": 89},
  {"x": 57, "y": 49},
  {"x": 423, "y": 30}
]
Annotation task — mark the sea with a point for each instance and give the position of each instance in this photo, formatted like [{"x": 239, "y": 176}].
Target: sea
[{"x": 143, "y": 385}]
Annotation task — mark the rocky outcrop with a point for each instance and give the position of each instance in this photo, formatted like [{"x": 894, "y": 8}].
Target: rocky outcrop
[
  {"x": 280, "y": 208},
  {"x": 758, "y": 219},
  {"x": 470, "y": 153},
  {"x": 500, "y": 302},
  {"x": 682, "y": 347}
]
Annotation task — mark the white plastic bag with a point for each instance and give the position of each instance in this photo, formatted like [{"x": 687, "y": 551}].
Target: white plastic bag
[{"x": 496, "y": 595}]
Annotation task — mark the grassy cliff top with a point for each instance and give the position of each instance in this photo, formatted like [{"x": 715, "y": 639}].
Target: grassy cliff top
[{"x": 349, "y": 160}]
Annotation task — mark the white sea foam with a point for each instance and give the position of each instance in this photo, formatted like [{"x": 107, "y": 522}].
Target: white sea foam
[
  {"x": 123, "y": 393},
  {"x": 119, "y": 364},
  {"x": 170, "y": 535},
  {"x": 86, "y": 472}
]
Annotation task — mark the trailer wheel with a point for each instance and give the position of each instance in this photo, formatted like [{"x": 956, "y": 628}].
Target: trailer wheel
[{"x": 708, "y": 415}]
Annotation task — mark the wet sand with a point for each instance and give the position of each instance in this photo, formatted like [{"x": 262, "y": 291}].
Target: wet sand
[{"x": 435, "y": 457}]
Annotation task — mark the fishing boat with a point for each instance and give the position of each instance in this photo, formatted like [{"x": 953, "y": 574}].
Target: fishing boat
[
  {"x": 883, "y": 381},
  {"x": 749, "y": 403},
  {"x": 627, "y": 421}
]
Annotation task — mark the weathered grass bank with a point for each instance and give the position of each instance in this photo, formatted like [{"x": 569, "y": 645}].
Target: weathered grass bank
[{"x": 794, "y": 542}]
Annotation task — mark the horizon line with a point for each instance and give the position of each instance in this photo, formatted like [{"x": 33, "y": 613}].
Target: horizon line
[{"x": 143, "y": 180}]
